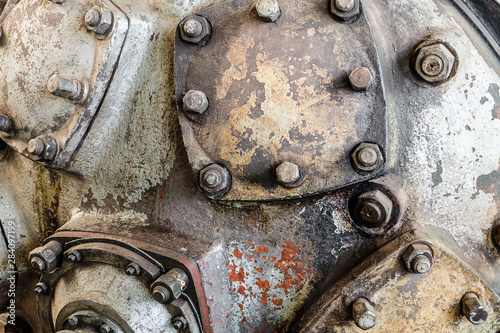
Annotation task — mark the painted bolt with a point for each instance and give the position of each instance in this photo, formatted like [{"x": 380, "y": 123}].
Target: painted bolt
[
  {"x": 215, "y": 180},
  {"x": 288, "y": 173},
  {"x": 361, "y": 78},
  {"x": 36, "y": 147},
  {"x": 195, "y": 101},
  {"x": 192, "y": 27},
  {"x": 179, "y": 323},
  {"x": 366, "y": 157},
  {"x": 105, "y": 328},
  {"x": 133, "y": 269},
  {"x": 473, "y": 309},
  {"x": 70, "y": 89},
  {"x": 74, "y": 256},
  {"x": 73, "y": 320},
  {"x": 40, "y": 288},
  {"x": 268, "y": 10},
  {"x": 373, "y": 209},
  {"x": 161, "y": 294},
  {"x": 363, "y": 313},
  {"x": 418, "y": 258},
  {"x": 99, "y": 20},
  {"x": 344, "y": 5},
  {"x": 434, "y": 63},
  {"x": 5, "y": 124}
]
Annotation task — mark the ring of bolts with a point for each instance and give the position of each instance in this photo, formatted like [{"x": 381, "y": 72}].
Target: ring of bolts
[
  {"x": 434, "y": 63},
  {"x": 165, "y": 289},
  {"x": 46, "y": 147}
]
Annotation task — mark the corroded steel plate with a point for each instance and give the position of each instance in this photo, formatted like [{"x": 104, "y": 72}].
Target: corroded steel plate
[{"x": 280, "y": 92}]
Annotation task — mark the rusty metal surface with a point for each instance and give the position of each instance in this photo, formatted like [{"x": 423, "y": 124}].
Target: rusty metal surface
[
  {"x": 280, "y": 92},
  {"x": 41, "y": 39}
]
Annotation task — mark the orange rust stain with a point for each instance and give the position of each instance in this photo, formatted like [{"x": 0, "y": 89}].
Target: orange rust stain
[
  {"x": 290, "y": 263},
  {"x": 277, "y": 301},
  {"x": 161, "y": 193},
  {"x": 262, "y": 249},
  {"x": 249, "y": 241},
  {"x": 236, "y": 276},
  {"x": 241, "y": 290},
  {"x": 202, "y": 263},
  {"x": 227, "y": 314},
  {"x": 237, "y": 253},
  {"x": 241, "y": 306},
  {"x": 273, "y": 259},
  {"x": 260, "y": 270},
  {"x": 264, "y": 285},
  {"x": 218, "y": 229},
  {"x": 244, "y": 319},
  {"x": 250, "y": 256}
]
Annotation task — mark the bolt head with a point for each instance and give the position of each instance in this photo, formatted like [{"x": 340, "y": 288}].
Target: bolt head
[
  {"x": 179, "y": 323},
  {"x": 344, "y": 5},
  {"x": 418, "y": 258},
  {"x": 361, "y": 78},
  {"x": 37, "y": 264},
  {"x": 36, "y": 147},
  {"x": 73, "y": 320},
  {"x": 288, "y": 173},
  {"x": 434, "y": 63},
  {"x": 366, "y": 157},
  {"x": 46, "y": 258},
  {"x": 195, "y": 101},
  {"x": 105, "y": 328},
  {"x": 268, "y": 10},
  {"x": 215, "y": 180},
  {"x": 5, "y": 124},
  {"x": 74, "y": 256},
  {"x": 41, "y": 288},
  {"x": 189, "y": 29},
  {"x": 373, "y": 209},
  {"x": 133, "y": 269},
  {"x": 70, "y": 89},
  {"x": 363, "y": 314},
  {"x": 193, "y": 27},
  {"x": 473, "y": 309},
  {"x": 99, "y": 20}
]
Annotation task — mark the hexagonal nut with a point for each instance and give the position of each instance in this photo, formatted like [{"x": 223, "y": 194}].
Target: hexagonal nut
[
  {"x": 345, "y": 15},
  {"x": 51, "y": 148},
  {"x": 195, "y": 101},
  {"x": 101, "y": 24},
  {"x": 434, "y": 62},
  {"x": 366, "y": 157},
  {"x": 373, "y": 209},
  {"x": 473, "y": 309},
  {"x": 175, "y": 281},
  {"x": 268, "y": 10},
  {"x": 364, "y": 313},
  {"x": 203, "y": 37},
  {"x": 412, "y": 252},
  {"x": 288, "y": 174},
  {"x": 46, "y": 258},
  {"x": 215, "y": 180}
]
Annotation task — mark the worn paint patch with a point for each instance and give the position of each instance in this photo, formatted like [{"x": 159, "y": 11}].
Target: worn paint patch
[
  {"x": 490, "y": 183},
  {"x": 494, "y": 91}
]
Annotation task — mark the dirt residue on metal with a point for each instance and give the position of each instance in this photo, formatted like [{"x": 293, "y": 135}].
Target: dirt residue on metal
[{"x": 46, "y": 200}]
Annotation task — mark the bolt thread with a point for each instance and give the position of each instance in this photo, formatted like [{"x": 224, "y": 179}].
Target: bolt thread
[
  {"x": 161, "y": 294},
  {"x": 36, "y": 147},
  {"x": 92, "y": 18}
]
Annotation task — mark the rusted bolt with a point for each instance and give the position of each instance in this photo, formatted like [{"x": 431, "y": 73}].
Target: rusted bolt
[
  {"x": 360, "y": 78},
  {"x": 366, "y": 157},
  {"x": 41, "y": 288},
  {"x": 215, "y": 179},
  {"x": 5, "y": 124},
  {"x": 434, "y": 63},
  {"x": 373, "y": 209},
  {"x": 36, "y": 147},
  {"x": 46, "y": 258},
  {"x": 179, "y": 323},
  {"x": 99, "y": 20},
  {"x": 161, "y": 294},
  {"x": 105, "y": 328},
  {"x": 363, "y": 313},
  {"x": 70, "y": 89},
  {"x": 288, "y": 173},
  {"x": 195, "y": 29},
  {"x": 73, "y": 320},
  {"x": 344, "y": 5},
  {"x": 418, "y": 258},
  {"x": 192, "y": 27},
  {"x": 195, "y": 101},
  {"x": 473, "y": 309},
  {"x": 268, "y": 10},
  {"x": 169, "y": 286},
  {"x": 133, "y": 269},
  {"x": 74, "y": 256}
]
